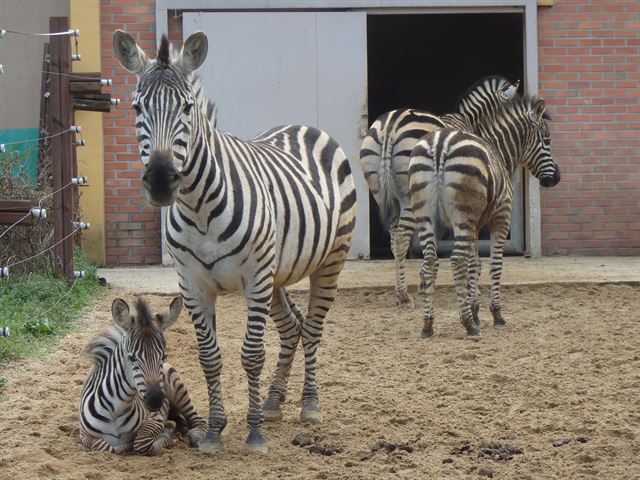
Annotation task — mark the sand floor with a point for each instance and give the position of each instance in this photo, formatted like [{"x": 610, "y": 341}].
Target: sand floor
[{"x": 565, "y": 368}]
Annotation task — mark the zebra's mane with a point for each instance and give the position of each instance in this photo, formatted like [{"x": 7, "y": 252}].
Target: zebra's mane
[
  {"x": 509, "y": 107},
  {"x": 164, "y": 53},
  {"x": 488, "y": 78},
  {"x": 207, "y": 107},
  {"x": 101, "y": 348}
]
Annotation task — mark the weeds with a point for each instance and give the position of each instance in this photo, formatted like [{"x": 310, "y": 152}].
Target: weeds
[{"x": 39, "y": 309}]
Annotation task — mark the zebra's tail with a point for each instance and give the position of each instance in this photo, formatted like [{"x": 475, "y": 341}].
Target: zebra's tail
[
  {"x": 389, "y": 205},
  {"x": 425, "y": 183}
]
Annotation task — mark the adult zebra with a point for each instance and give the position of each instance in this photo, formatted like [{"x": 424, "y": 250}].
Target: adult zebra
[
  {"x": 386, "y": 151},
  {"x": 466, "y": 179},
  {"x": 253, "y": 216},
  {"x": 132, "y": 399}
]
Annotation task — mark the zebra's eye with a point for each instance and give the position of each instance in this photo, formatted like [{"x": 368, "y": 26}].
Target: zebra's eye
[
  {"x": 132, "y": 358},
  {"x": 187, "y": 108},
  {"x": 137, "y": 108}
]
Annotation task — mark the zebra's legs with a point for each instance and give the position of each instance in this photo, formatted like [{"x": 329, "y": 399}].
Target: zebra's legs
[
  {"x": 401, "y": 235},
  {"x": 258, "y": 307},
  {"x": 155, "y": 433},
  {"x": 498, "y": 236},
  {"x": 474, "y": 276},
  {"x": 465, "y": 242},
  {"x": 428, "y": 274},
  {"x": 181, "y": 405},
  {"x": 322, "y": 292},
  {"x": 288, "y": 320},
  {"x": 96, "y": 444},
  {"x": 203, "y": 316}
]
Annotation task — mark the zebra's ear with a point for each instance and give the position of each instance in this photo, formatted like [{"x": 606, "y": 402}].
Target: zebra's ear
[
  {"x": 194, "y": 52},
  {"x": 539, "y": 109},
  {"x": 512, "y": 90},
  {"x": 169, "y": 317},
  {"x": 129, "y": 54},
  {"x": 121, "y": 314}
]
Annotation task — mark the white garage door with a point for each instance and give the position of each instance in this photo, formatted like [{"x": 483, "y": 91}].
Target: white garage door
[{"x": 272, "y": 68}]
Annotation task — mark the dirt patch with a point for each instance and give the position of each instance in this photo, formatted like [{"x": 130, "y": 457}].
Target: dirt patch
[{"x": 565, "y": 372}]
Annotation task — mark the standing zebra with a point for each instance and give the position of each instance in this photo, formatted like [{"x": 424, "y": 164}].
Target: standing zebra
[
  {"x": 466, "y": 179},
  {"x": 386, "y": 151},
  {"x": 132, "y": 399},
  {"x": 253, "y": 216}
]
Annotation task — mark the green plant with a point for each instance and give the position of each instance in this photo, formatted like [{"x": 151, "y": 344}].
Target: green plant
[{"x": 39, "y": 308}]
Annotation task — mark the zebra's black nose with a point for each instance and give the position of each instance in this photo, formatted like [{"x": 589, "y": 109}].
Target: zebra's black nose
[
  {"x": 550, "y": 180},
  {"x": 154, "y": 398}
]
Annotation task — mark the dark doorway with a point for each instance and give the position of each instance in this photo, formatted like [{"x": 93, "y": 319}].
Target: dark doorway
[{"x": 427, "y": 61}]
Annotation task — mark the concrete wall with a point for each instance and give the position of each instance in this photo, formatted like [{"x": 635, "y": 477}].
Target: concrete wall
[{"x": 20, "y": 89}]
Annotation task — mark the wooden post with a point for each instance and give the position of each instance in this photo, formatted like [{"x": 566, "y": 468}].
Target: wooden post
[{"x": 61, "y": 118}]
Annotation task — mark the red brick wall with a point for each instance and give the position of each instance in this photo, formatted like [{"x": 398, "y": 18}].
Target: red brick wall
[
  {"x": 589, "y": 71},
  {"x": 132, "y": 226},
  {"x": 589, "y": 74}
]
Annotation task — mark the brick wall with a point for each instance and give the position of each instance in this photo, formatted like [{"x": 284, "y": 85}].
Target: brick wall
[
  {"x": 132, "y": 226},
  {"x": 589, "y": 74},
  {"x": 589, "y": 57}
]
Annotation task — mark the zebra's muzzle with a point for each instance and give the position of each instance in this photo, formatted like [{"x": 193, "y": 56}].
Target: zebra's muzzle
[
  {"x": 154, "y": 398},
  {"x": 550, "y": 180},
  {"x": 161, "y": 179}
]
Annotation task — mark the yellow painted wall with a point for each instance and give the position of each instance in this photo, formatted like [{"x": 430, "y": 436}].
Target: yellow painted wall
[{"x": 85, "y": 16}]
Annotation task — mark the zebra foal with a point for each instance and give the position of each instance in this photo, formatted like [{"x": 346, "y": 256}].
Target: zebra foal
[
  {"x": 465, "y": 178},
  {"x": 132, "y": 399},
  {"x": 252, "y": 216},
  {"x": 386, "y": 151}
]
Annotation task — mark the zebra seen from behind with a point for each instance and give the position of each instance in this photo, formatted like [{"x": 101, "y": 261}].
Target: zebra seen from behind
[
  {"x": 386, "y": 151},
  {"x": 465, "y": 178},
  {"x": 253, "y": 216},
  {"x": 132, "y": 399}
]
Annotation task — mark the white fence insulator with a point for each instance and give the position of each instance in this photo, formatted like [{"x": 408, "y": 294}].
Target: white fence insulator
[
  {"x": 75, "y": 32},
  {"x": 2, "y": 148},
  {"x": 3, "y": 32},
  {"x": 81, "y": 225},
  {"x": 80, "y": 143},
  {"x": 39, "y": 212},
  {"x": 76, "y": 57},
  {"x": 1, "y": 69},
  {"x": 47, "y": 94},
  {"x": 4, "y": 332},
  {"x": 75, "y": 128},
  {"x": 79, "y": 181},
  {"x": 4, "y": 272},
  {"x": 105, "y": 81},
  {"x": 115, "y": 101},
  {"x": 78, "y": 273}
]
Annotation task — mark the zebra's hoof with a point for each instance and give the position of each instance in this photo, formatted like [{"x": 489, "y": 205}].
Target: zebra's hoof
[
  {"x": 310, "y": 415},
  {"x": 256, "y": 442},
  {"x": 473, "y": 331},
  {"x": 426, "y": 332},
  {"x": 195, "y": 435},
  {"x": 499, "y": 322},
  {"x": 271, "y": 409},
  {"x": 405, "y": 301},
  {"x": 211, "y": 444}
]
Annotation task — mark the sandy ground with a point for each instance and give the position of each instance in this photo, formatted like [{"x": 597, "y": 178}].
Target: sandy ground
[{"x": 566, "y": 367}]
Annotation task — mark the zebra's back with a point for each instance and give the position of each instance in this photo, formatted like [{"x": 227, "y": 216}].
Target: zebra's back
[{"x": 294, "y": 181}]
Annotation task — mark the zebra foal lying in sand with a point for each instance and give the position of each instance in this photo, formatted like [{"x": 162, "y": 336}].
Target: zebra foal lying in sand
[{"x": 133, "y": 400}]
